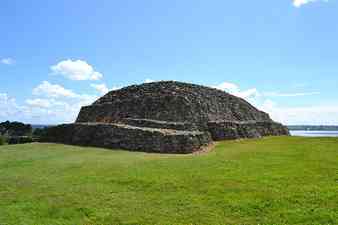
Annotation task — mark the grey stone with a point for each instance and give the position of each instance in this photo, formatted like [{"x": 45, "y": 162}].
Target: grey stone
[
  {"x": 120, "y": 136},
  {"x": 167, "y": 116}
]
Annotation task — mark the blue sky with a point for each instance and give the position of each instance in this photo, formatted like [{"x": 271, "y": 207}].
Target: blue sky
[{"x": 281, "y": 56}]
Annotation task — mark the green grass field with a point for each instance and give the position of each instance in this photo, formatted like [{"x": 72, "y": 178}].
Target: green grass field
[{"x": 277, "y": 180}]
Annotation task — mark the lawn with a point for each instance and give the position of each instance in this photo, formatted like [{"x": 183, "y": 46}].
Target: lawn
[{"x": 275, "y": 180}]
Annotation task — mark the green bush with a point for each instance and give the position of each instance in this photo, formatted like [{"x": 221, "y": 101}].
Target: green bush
[
  {"x": 15, "y": 129},
  {"x": 2, "y": 140},
  {"x": 19, "y": 140},
  {"x": 39, "y": 132}
]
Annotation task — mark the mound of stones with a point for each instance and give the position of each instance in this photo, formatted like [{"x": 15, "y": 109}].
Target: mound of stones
[{"x": 165, "y": 117}]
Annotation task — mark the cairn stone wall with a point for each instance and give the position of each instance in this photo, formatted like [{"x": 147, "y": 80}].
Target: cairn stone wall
[
  {"x": 165, "y": 117},
  {"x": 159, "y": 124},
  {"x": 171, "y": 101},
  {"x": 228, "y": 130},
  {"x": 118, "y": 136}
]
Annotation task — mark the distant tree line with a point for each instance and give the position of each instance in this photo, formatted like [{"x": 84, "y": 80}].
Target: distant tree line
[
  {"x": 313, "y": 127},
  {"x": 18, "y": 133}
]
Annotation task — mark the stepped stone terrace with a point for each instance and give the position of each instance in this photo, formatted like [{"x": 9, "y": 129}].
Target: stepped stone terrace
[{"x": 165, "y": 117}]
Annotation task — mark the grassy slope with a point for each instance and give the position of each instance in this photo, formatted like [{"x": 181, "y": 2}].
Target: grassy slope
[{"x": 279, "y": 180}]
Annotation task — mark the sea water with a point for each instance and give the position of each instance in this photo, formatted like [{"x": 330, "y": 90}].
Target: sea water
[{"x": 306, "y": 133}]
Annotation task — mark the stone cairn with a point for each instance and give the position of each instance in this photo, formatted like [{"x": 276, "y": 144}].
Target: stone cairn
[{"x": 164, "y": 117}]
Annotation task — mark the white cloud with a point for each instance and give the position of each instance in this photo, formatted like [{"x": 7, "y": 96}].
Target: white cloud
[
  {"x": 53, "y": 90},
  {"x": 322, "y": 114},
  {"x": 44, "y": 103},
  {"x": 148, "y": 80},
  {"x": 9, "y": 109},
  {"x": 253, "y": 93},
  {"x": 250, "y": 93},
  {"x": 278, "y": 94},
  {"x": 116, "y": 88},
  {"x": 235, "y": 90},
  {"x": 7, "y": 61},
  {"x": 102, "y": 88},
  {"x": 41, "y": 103},
  {"x": 312, "y": 115},
  {"x": 76, "y": 70},
  {"x": 3, "y": 97},
  {"x": 299, "y": 3},
  {"x": 55, "y": 104},
  {"x": 229, "y": 87},
  {"x": 51, "y": 111}
]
